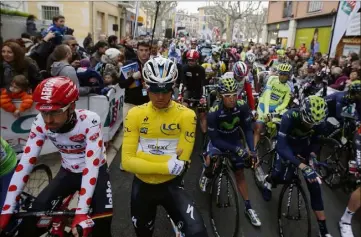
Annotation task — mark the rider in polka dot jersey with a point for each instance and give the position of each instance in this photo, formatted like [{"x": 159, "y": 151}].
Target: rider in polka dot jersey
[{"x": 78, "y": 136}]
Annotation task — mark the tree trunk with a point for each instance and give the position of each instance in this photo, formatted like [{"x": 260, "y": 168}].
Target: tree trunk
[{"x": 230, "y": 31}]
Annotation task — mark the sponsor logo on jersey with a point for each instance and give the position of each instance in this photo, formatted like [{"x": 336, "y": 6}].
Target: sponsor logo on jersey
[
  {"x": 94, "y": 121},
  {"x": 126, "y": 129},
  {"x": 94, "y": 136},
  {"x": 145, "y": 119},
  {"x": 109, "y": 196},
  {"x": 32, "y": 135},
  {"x": 170, "y": 129},
  {"x": 188, "y": 74},
  {"x": 156, "y": 152},
  {"x": 82, "y": 117},
  {"x": 77, "y": 138},
  {"x": 143, "y": 130},
  {"x": 230, "y": 126},
  {"x": 190, "y": 136},
  {"x": 157, "y": 147},
  {"x": 71, "y": 149},
  {"x": 51, "y": 138}
]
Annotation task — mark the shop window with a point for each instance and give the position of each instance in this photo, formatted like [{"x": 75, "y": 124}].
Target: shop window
[
  {"x": 314, "y": 6},
  {"x": 48, "y": 12}
]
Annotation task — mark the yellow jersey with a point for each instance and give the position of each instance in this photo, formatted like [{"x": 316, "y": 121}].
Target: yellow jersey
[{"x": 152, "y": 136}]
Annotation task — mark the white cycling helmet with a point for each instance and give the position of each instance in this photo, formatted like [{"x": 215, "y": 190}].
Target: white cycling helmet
[
  {"x": 250, "y": 57},
  {"x": 112, "y": 53},
  {"x": 216, "y": 50},
  {"x": 160, "y": 72}
]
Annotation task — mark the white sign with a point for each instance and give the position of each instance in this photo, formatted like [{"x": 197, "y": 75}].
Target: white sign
[
  {"x": 348, "y": 48},
  {"x": 110, "y": 109}
]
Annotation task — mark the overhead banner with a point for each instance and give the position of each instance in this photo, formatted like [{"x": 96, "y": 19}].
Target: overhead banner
[
  {"x": 110, "y": 109},
  {"x": 316, "y": 39},
  {"x": 343, "y": 18}
]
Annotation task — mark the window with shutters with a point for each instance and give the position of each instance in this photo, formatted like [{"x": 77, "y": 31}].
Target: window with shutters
[
  {"x": 314, "y": 6},
  {"x": 48, "y": 12}
]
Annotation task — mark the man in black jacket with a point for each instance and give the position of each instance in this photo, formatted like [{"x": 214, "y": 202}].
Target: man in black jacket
[{"x": 135, "y": 91}]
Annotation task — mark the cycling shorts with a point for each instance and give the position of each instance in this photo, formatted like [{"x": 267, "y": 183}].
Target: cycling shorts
[
  {"x": 261, "y": 109},
  {"x": 171, "y": 195},
  {"x": 237, "y": 161}
]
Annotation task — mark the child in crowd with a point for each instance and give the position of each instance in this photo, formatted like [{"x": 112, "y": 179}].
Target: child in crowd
[
  {"x": 110, "y": 80},
  {"x": 19, "y": 88},
  {"x": 58, "y": 28},
  {"x": 354, "y": 76}
]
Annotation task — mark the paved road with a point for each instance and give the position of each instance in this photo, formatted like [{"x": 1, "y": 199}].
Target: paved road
[{"x": 335, "y": 202}]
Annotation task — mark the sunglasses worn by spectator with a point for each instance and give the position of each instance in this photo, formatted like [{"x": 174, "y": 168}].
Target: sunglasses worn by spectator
[
  {"x": 74, "y": 45},
  {"x": 55, "y": 112}
]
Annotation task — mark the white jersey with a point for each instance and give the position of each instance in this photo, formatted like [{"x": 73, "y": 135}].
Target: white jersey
[{"x": 82, "y": 151}]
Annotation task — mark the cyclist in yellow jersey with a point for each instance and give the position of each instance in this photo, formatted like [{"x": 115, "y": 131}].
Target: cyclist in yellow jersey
[
  {"x": 274, "y": 98},
  {"x": 158, "y": 141}
]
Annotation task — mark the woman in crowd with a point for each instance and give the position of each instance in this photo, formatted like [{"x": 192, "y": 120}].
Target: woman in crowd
[{"x": 14, "y": 62}]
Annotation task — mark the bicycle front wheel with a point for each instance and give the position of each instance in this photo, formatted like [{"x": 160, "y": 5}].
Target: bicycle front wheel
[
  {"x": 224, "y": 205},
  {"x": 39, "y": 178},
  {"x": 293, "y": 211}
]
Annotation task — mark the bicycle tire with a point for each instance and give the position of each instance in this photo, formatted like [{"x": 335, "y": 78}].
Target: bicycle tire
[
  {"x": 262, "y": 155},
  {"x": 279, "y": 209},
  {"x": 237, "y": 197},
  {"x": 42, "y": 167},
  {"x": 333, "y": 163}
]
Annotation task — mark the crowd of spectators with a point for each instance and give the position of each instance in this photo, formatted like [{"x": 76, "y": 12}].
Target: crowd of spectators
[{"x": 95, "y": 67}]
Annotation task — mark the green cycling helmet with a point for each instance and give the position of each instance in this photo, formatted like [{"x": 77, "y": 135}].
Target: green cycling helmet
[
  {"x": 227, "y": 85},
  {"x": 284, "y": 68},
  {"x": 314, "y": 110},
  {"x": 355, "y": 87}
]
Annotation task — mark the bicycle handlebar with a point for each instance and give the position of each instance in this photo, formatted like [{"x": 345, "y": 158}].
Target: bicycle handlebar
[{"x": 68, "y": 213}]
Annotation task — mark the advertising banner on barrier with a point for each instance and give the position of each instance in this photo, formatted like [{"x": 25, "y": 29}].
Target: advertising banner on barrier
[{"x": 110, "y": 109}]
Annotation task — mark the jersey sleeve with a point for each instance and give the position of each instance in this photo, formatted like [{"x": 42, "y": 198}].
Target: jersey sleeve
[
  {"x": 139, "y": 162},
  {"x": 93, "y": 160},
  {"x": 246, "y": 124},
  {"x": 282, "y": 147},
  {"x": 32, "y": 150},
  {"x": 188, "y": 133},
  {"x": 285, "y": 101}
]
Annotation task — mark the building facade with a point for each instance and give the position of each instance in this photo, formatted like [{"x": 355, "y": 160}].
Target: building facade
[
  {"x": 190, "y": 22},
  {"x": 98, "y": 18},
  {"x": 308, "y": 23}
]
